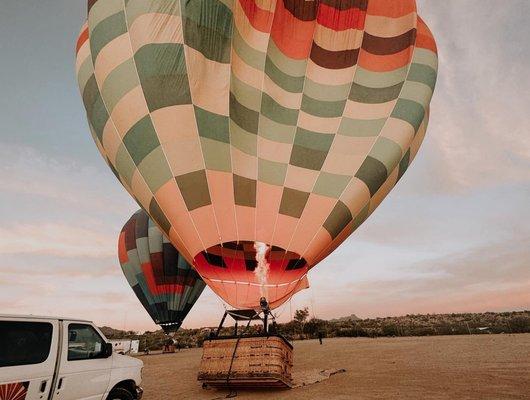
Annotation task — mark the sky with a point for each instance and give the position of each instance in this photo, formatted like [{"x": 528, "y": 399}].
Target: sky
[{"x": 453, "y": 236}]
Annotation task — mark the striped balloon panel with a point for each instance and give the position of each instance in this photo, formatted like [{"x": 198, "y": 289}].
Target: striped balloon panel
[
  {"x": 14, "y": 391},
  {"x": 280, "y": 121},
  {"x": 164, "y": 282}
]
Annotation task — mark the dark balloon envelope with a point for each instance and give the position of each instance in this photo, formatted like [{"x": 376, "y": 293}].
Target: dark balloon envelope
[{"x": 164, "y": 282}]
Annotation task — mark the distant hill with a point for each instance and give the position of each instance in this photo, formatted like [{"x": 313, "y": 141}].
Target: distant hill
[
  {"x": 351, "y": 317},
  {"x": 112, "y": 333}
]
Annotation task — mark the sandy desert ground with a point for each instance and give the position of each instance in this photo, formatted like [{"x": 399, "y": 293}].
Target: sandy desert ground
[{"x": 444, "y": 367}]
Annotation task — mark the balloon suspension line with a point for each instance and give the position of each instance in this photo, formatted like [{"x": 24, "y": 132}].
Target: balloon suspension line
[
  {"x": 312, "y": 300},
  {"x": 233, "y": 392},
  {"x": 280, "y": 311}
]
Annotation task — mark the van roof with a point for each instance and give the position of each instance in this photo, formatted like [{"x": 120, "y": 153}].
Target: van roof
[{"x": 31, "y": 316}]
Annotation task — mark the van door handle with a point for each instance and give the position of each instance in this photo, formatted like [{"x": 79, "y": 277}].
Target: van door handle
[
  {"x": 43, "y": 385},
  {"x": 60, "y": 384}
]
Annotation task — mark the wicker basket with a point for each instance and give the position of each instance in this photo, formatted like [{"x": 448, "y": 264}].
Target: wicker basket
[{"x": 257, "y": 362}]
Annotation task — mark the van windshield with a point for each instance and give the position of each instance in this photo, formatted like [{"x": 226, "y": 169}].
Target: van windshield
[{"x": 24, "y": 343}]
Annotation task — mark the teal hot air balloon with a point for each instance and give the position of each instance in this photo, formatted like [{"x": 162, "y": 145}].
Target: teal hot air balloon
[{"x": 164, "y": 282}]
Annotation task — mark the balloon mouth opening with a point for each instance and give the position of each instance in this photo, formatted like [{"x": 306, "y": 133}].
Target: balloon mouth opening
[
  {"x": 169, "y": 327},
  {"x": 233, "y": 271},
  {"x": 246, "y": 255}
]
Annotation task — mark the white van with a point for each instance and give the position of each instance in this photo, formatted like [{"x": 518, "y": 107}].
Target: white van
[{"x": 46, "y": 358}]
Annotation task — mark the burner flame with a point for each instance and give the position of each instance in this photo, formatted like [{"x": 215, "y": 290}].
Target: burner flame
[{"x": 262, "y": 269}]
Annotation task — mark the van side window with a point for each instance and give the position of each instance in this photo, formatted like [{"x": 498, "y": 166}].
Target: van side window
[
  {"x": 84, "y": 343},
  {"x": 24, "y": 343}
]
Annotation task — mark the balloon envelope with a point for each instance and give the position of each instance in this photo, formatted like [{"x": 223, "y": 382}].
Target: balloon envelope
[
  {"x": 240, "y": 122},
  {"x": 164, "y": 282}
]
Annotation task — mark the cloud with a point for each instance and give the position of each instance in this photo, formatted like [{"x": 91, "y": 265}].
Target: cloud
[
  {"x": 51, "y": 267},
  {"x": 499, "y": 264},
  {"x": 60, "y": 208},
  {"x": 478, "y": 135},
  {"x": 489, "y": 277},
  {"x": 448, "y": 222},
  {"x": 24, "y": 171},
  {"x": 56, "y": 239}
]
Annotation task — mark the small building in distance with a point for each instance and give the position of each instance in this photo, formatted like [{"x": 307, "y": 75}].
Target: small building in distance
[{"x": 125, "y": 346}]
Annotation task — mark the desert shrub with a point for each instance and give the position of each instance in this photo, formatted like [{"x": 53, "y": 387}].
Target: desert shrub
[{"x": 520, "y": 324}]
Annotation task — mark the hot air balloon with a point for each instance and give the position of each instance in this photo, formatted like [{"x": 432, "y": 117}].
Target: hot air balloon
[
  {"x": 258, "y": 135},
  {"x": 164, "y": 282}
]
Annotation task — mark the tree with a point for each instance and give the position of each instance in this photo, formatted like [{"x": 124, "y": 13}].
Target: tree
[
  {"x": 518, "y": 324},
  {"x": 300, "y": 316},
  {"x": 314, "y": 326}
]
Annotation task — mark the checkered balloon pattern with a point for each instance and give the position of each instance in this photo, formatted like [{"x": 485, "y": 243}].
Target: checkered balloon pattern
[
  {"x": 164, "y": 282},
  {"x": 232, "y": 122}
]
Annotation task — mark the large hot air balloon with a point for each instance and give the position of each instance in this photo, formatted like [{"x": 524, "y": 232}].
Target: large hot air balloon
[
  {"x": 164, "y": 282},
  {"x": 258, "y": 134}
]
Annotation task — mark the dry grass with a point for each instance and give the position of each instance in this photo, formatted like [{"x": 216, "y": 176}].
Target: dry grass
[{"x": 442, "y": 367}]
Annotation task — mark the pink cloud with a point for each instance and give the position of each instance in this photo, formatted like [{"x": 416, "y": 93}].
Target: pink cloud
[{"x": 56, "y": 239}]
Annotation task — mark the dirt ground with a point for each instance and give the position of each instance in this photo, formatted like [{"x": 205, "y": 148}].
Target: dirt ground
[{"x": 442, "y": 367}]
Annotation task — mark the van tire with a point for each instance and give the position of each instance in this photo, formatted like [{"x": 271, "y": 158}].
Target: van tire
[{"x": 120, "y": 394}]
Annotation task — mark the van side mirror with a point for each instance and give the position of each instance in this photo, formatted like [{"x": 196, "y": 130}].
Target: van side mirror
[{"x": 107, "y": 350}]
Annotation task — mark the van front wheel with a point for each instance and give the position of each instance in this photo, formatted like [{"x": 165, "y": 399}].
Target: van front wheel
[{"x": 120, "y": 394}]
